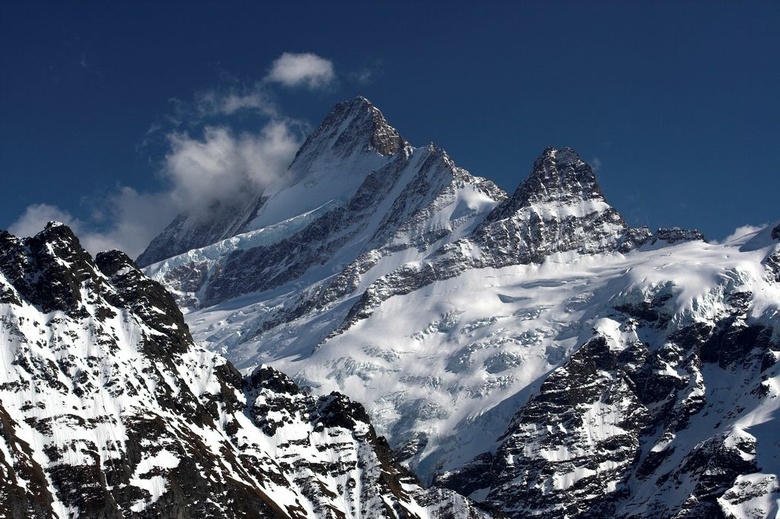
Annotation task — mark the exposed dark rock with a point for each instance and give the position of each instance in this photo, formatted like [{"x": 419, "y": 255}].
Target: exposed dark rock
[
  {"x": 675, "y": 234},
  {"x": 133, "y": 420},
  {"x": 48, "y": 269},
  {"x": 648, "y": 398},
  {"x": 772, "y": 264},
  {"x": 541, "y": 218},
  {"x": 350, "y": 126}
]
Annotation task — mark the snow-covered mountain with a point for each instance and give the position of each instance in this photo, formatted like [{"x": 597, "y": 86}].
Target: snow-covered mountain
[
  {"x": 355, "y": 191},
  {"x": 533, "y": 351},
  {"x": 353, "y": 141},
  {"x": 669, "y": 405},
  {"x": 108, "y": 409}
]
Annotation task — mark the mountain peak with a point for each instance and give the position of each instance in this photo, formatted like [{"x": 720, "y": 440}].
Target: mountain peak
[
  {"x": 351, "y": 126},
  {"x": 48, "y": 269},
  {"x": 560, "y": 175}
]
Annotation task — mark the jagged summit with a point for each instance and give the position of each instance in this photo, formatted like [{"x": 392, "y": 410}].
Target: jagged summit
[
  {"x": 352, "y": 141},
  {"x": 47, "y": 268},
  {"x": 560, "y": 174},
  {"x": 108, "y": 409},
  {"x": 351, "y": 126},
  {"x": 559, "y": 207},
  {"x": 559, "y": 177}
]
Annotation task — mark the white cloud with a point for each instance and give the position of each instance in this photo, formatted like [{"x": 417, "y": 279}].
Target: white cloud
[
  {"x": 207, "y": 165},
  {"x": 36, "y": 216},
  {"x": 305, "y": 69},
  {"x": 363, "y": 77},
  {"x": 220, "y": 166},
  {"x": 135, "y": 219},
  {"x": 596, "y": 164},
  {"x": 228, "y": 102},
  {"x": 224, "y": 167}
]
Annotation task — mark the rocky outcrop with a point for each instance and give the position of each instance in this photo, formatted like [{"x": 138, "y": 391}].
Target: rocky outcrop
[
  {"x": 109, "y": 410},
  {"x": 622, "y": 415},
  {"x": 355, "y": 125},
  {"x": 588, "y": 363},
  {"x": 415, "y": 199},
  {"x": 558, "y": 208}
]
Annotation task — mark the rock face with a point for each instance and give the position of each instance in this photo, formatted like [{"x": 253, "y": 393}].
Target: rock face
[
  {"x": 627, "y": 428},
  {"x": 350, "y": 127},
  {"x": 363, "y": 196},
  {"x": 532, "y": 351},
  {"x": 352, "y": 131},
  {"x": 108, "y": 409},
  {"x": 559, "y": 207}
]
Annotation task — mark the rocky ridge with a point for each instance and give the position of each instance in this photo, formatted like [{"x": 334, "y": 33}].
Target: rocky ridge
[
  {"x": 351, "y": 129},
  {"x": 396, "y": 201},
  {"x": 108, "y": 409},
  {"x": 558, "y": 208},
  {"x": 632, "y": 428},
  {"x": 532, "y": 351}
]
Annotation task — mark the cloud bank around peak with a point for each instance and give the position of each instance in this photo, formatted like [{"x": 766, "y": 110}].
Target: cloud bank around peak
[
  {"x": 207, "y": 160},
  {"x": 36, "y": 216},
  {"x": 133, "y": 220},
  {"x": 198, "y": 171},
  {"x": 307, "y": 69},
  {"x": 225, "y": 167}
]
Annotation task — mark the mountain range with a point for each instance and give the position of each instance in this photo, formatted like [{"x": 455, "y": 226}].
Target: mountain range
[
  {"x": 378, "y": 304},
  {"x": 110, "y": 410}
]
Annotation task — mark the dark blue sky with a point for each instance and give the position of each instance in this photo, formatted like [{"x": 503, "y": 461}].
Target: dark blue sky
[{"x": 677, "y": 103}]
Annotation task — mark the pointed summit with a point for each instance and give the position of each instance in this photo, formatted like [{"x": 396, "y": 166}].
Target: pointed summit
[
  {"x": 49, "y": 269},
  {"x": 352, "y": 141},
  {"x": 560, "y": 174},
  {"x": 559, "y": 207},
  {"x": 559, "y": 177},
  {"x": 351, "y": 126}
]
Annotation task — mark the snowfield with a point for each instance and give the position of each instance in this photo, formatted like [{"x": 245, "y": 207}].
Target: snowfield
[
  {"x": 453, "y": 361},
  {"x": 532, "y": 350}
]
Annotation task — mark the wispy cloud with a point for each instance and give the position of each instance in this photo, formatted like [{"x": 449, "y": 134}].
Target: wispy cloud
[
  {"x": 225, "y": 167},
  {"x": 217, "y": 166},
  {"x": 36, "y": 216},
  {"x": 307, "y": 69},
  {"x": 743, "y": 233},
  {"x": 596, "y": 164},
  {"x": 366, "y": 74},
  {"x": 363, "y": 76},
  {"x": 133, "y": 219},
  {"x": 206, "y": 159},
  {"x": 229, "y": 101}
]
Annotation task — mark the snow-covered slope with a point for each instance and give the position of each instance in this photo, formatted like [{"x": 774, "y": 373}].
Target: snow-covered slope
[
  {"x": 667, "y": 408},
  {"x": 533, "y": 351},
  {"x": 107, "y": 409},
  {"x": 351, "y": 208},
  {"x": 607, "y": 376},
  {"x": 353, "y": 140}
]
